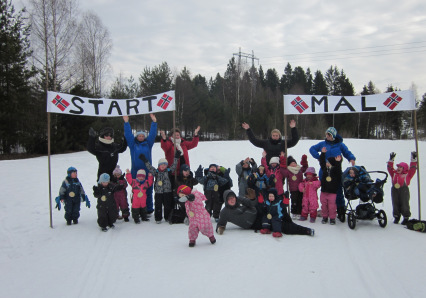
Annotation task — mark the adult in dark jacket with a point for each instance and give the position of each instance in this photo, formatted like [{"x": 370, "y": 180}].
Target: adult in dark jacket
[
  {"x": 334, "y": 146},
  {"x": 274, "y": 145},
  {"x": 141, "y": 143},
  {"x": 242, "y": 212},
  {"x": 105, "y": 150}
]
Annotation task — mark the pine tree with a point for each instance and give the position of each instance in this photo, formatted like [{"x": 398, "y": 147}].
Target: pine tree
[{"x": 15, "y": 76}]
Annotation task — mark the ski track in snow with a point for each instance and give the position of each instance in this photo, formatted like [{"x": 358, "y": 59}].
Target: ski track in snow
[{"x": 154, "y": 259}]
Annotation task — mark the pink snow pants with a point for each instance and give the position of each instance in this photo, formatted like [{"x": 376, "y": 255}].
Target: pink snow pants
[{"x": 328, "y": 204}]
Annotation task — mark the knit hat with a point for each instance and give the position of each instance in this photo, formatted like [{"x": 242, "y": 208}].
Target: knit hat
[
  {"x": 186, "y": 190},
  {"x": 311, "y": 171},
  {"x": 276, "y": 131},
  {"x": 404, "y": 166},
  {"x": 290, "y": 159},
  {"x": 332, "y": 131},
  {"x": 213, "y": 165},
  {"x": 222, "y": 170},
  {"x": 103, "y": 178},
  {"x": 141, "y": 132},
  {"x": 274, "y": 159},
  {"x": 184, "y": 167},
  {"x": 117, "y": 171},
  {"x": 163, "y": 161},
  {"x": 70, "y": 170},
  {"x": 141, "y": 174},
  {"x": 106, "y": 130}
]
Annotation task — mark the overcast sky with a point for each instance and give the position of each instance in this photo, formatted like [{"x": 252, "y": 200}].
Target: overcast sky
[{"x": 381, "y": 41}]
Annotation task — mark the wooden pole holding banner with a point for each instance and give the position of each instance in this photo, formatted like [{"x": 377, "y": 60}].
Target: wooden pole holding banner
[
  {"x": 49, "y": 168},
  {"x": 418, "y": 163},
  {"x": 174, "y": 145}
]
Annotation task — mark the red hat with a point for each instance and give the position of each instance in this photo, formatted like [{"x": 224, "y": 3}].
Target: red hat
[{"x": 186, "y": 190}]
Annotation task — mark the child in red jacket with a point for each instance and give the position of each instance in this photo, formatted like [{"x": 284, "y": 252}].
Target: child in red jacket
[
  {"x": 401, "y": 178},
  {"x": 139, "y": 188}
]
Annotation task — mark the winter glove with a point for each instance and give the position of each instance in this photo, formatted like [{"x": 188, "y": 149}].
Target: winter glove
[
  {"x": 252, "y": 162},
  {"x": 92, "y": 132},
  {"x": 226, "y": 174},
  {"x": 392, "y": 156},
  {"x": 251, "y": 193},
  {"x": 304, "y": 161},
  {"x": 199, "y": 172},
  {"x": 414, "y": 156},
  {"x": 177, "y": 154},
  {"x": 96, "y": 191},
  {"x": 58, "y": 202},
  {"x": 143, "y": 157},
  {"x": 189, "y": 197},
  {"x": 87, "y": 201}
]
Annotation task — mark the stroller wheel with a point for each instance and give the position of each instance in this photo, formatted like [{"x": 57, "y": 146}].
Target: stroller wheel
[
  {"x": 351, "y": 221},
  {"x": 381, "y": 216}
]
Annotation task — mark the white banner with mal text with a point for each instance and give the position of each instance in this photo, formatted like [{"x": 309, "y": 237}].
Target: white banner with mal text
[
  {"x": 327, "y": 104},
  {"x": 104, "y": 107}
]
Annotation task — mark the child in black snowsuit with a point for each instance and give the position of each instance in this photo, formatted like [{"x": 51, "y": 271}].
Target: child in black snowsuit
[
  {"x": 212, "y": 182},
  {"x": 107, "y": 208},
  {"x": 71, "y": 194}
]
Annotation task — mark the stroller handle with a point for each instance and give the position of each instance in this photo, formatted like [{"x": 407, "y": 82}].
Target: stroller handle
[{"x": 380, "y": 172}]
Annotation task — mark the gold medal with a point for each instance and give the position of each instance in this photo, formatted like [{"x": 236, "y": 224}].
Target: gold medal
[
  {"x": 294, "y": 178},
  {"x": 216, "y": 187},
  {"x": 191, "y": 214},
  {"x": 269, "y": 216},
  {"x": 275, "y": 180},
  {"x": 72, "y": 194},
  {"x": 140, "y": 194},
  {"x": 160, "y": 183},
  {"x": 103, "y": 198},
  {"x": 397, "y": 185},
  {"x": 328, "y": 178}
]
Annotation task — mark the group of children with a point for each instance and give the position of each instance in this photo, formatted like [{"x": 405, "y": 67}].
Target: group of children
[{"x": 267, "y": 181}]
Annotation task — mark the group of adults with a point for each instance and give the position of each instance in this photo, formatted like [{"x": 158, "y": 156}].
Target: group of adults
[
  {"x": 106, "y": 150},
  {"x": 237, "y": 209}
]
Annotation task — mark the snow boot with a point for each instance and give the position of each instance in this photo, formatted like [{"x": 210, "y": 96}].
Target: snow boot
[
  {"x": 396, "y": 220},
  {"x": 212, "y": 239},
  {"x": 68, "y": 222},
  {"x": 220, "y": 230},
  {"x": 104, "y": 229},
  {"x": 312, "y": 220},
  {"x": 303, "y": 218},
  {"x": 312, "y": 232},
  {"x": 341, "y": 214},
  {"x": 191, "y": 243},
  {"x": 126, "y": 219},
  {"x": 324, "y": 220},
  {"x": 265, "y": 231},
  {"x": 277, "y": 234},
  {"x": 405, "y": 221},
  {"x": 332, "y": 221},
  {"x": 111, "y": 226},
  {"x": 75, "y": 221}
]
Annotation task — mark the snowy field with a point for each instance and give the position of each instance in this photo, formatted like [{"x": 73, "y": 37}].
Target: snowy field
[{"x": 151, "y": 260}]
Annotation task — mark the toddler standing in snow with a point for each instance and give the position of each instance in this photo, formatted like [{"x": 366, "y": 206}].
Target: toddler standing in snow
[
  {"x": 71, "y": 194},
  {"x": 401, "y": 178},
  {"x": 107, "y": 209},
  {"x": 199, "y": 218},
  {"x": 309, "y": 186},
  {"x": 330, "y": 181},
  {"x": 139, "y": 186},
  {"x": 120, "y": 196}
]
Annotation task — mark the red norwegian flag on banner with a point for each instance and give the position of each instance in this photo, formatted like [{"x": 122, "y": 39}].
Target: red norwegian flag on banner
[
  {"x": 164, "y": 101},
  {"x": 60, "y": 103},
  {"x": 392, "y": 101},
  {"x": 299, "y": 104}
]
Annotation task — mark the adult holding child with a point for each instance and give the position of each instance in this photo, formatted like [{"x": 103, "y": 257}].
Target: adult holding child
[
  {"x": 334, "y": 146},
  {"x": 141, "y": 143},
  {"x": 275, "y": 144}
]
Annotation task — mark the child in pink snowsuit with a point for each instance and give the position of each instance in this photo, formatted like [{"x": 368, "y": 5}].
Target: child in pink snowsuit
[
  {"x": 199, "y": 218},
  {"x": 309, "y": 186},
  {"x": 120, "y": 196},
  {"x": 275, "y": 172}
]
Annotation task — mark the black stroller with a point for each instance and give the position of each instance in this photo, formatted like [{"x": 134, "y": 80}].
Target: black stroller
[{"x": 361, "y": 186}]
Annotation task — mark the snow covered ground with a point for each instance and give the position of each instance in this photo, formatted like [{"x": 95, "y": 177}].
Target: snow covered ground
[{"x": 151, "y": 260}]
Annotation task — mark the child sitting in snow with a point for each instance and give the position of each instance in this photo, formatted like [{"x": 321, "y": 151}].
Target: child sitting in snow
[
  {"x": 162, "y": 186},
  {"x": 107, "y": 209},
  {"x": 212, "y": 182},
  {"x": 139, "y": 188},
  {"x": 272, "y": 214},
  {"x": 309, "y": 187},
  {"x": 294, "y": 174},
  {"x": 199, "y": 218},
  {"x": 120, "y": 196},
  {"x": 71, "y": 194},
  {"x": 401, "y": 178},
  {"x": 330, "y": 182}
]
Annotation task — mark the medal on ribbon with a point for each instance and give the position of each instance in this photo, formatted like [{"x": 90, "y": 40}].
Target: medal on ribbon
[
  {"x": 103, "y": 198},
  {"x": 160, "y": 183},
  {"x": 269, "y": 216},
  {"x": 191, "y": 214},
  {"x": 216, "y": 187},
  {"x": 397, "y": 185},
  {"x": 72, "y": 194},
  {"x": 294, "y": 178},
  {"x": 328, "y": 179},
  {"x": 140, "y": 194}
]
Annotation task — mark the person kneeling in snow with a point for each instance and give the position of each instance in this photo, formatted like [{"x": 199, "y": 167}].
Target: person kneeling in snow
[
  {"x": 199, "y": 218},
  {"x": 107, "y": 209},
  {"x": 71, "y": 194}
]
